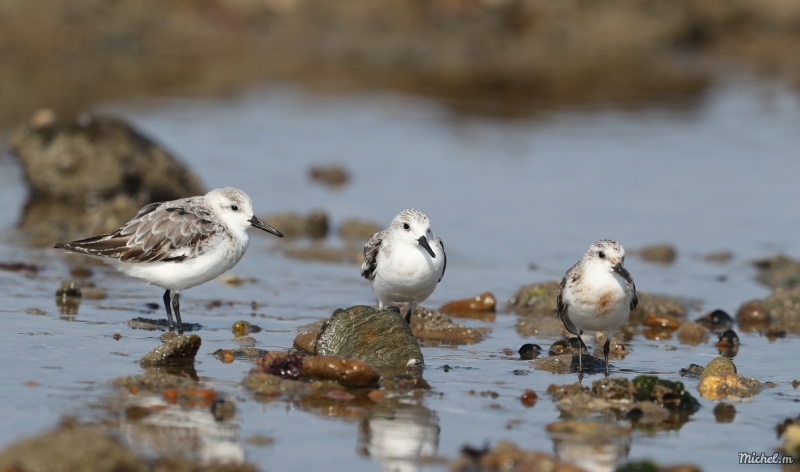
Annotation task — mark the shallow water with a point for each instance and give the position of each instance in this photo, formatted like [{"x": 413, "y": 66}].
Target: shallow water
[{"x": 502, "y": 195}]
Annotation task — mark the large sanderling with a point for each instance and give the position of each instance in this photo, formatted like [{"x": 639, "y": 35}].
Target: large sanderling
[
  {"x": 597, "y": 294},
  {"x": 179, "y": 244},
  {"x": 405, "y": 261}
]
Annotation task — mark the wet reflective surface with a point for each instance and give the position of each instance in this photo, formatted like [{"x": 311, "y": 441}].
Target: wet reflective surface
[{"x": 504, "y": 196}]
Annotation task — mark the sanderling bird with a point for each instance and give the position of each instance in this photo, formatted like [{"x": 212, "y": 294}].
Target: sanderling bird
[
  {"x": 405, "y": 261},
  {"x": 597, "y": 294},
  {"x": 179, "y": 244}
]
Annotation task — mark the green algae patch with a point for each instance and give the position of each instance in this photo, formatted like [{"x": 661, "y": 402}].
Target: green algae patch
[{"x": 672, "y": 395}]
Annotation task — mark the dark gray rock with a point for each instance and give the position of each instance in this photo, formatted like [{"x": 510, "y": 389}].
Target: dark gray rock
[{"x": 378, "y": 337}]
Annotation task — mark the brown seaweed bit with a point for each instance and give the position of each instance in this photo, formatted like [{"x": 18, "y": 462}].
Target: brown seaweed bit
[
  {"x": 286, "y": 367},
  {"x": 19, "y": 267},
  {"x": 473, "y": 452}
]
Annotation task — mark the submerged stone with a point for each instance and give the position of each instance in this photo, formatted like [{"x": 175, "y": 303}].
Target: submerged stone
[
  {"x": 779, "y": 312},
  {"x": 728, "y": 386},
  {"x": 432, "y": 328},
  {"x": 671, "y": 395},
  {"x": 692, "y": 333},
  {"x": 348, "y": 372},
  {"x": 380, "y": 338},
  {"x": 174, "y": 351},
  {"x": 505, "y": 455},
  {"x": 717, "y": 366},
  {"x": 98, "y": 155},
  {"x": 779, "y": 272},
  {"x": 72, "y": 447},
  {"x": 568, "y": 363}
]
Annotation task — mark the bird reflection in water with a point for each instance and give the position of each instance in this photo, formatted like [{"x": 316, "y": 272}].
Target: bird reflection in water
[
  {"x": 399, "y": 435},
  {"x": 593, "y": 446}
]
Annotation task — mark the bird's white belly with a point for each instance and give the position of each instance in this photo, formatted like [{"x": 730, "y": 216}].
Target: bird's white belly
[
  {"x": 407, "y": 276},
  {"x": 599, "y": 308},
  {"x": 185, "y": 274}
]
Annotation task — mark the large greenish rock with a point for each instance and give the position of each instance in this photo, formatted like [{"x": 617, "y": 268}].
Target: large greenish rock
[{"x": 381, "y": 338}]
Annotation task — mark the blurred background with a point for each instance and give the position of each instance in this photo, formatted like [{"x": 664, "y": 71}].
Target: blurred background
[{"x": 510, "y": 58}]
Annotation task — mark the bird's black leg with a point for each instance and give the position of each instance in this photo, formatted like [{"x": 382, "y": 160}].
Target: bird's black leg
[
  {"x": 408, "y": 314},
  {"x": 606, "y": 347},
  {"x": 169, "y": 311},
  {"x": 176, "y": 305},
  {"x": 581, "y": 347}
]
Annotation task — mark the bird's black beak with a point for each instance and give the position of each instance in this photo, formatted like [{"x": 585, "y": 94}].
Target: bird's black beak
[
  {"x": 423, "y": 241},
  {"x": 256, "y": 223},
  {"x": 623, "y": 272}
]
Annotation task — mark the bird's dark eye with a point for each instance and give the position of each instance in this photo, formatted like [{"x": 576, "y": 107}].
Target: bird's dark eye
[
  {"x": 602, "y": 254},
  {"x": 406, "y": 227},
  {"x": 234, "y": 208}
]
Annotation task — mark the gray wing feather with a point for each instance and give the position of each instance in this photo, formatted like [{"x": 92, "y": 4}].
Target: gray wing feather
[
  {"x": 171, "y": 231},
  {"x": 634, "y": 299},
  {"x": 563, "y": 308},
  {"x": 371, "y": 250},
  {"x": 444, "y": 255}
]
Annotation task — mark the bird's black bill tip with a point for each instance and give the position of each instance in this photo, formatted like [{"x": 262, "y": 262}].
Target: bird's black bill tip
[
  {"x": 623, "y": 272},
  {"x": 423, "y": 241},
  {"x": 257, "y": 223}
]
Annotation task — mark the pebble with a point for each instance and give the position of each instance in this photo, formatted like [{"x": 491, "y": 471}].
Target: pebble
[
  {"x": 333, "y": 175},
  {"x": 230, "y": 280},
  {"x": 241, "y": 328},
  {"x": 728, "y": 344},
  {"x": 692, "y": 333},
  {"x": 717, "y": 320},
  {"x": 661, "y": 321},
  {"x": 483, "y": 303},
  {"x": 94, "y": 294},
  {"x": 68, "y": 289},
  {"x": 317, "y": 225},
  {"x": 659, "y": 253},
  {"x": 752, "y": 317},
  {"x": 223, "y": 410},
  {"x": 529, "y": 351},
  {"x": 179, "y": 350},
  {"x": 724, "y": 413},
  {"x": 81, "y": 272},
  {"x": 718, "y": 256},
  {"x": 347, "y": 372},
  {"x": 529, "y": 398}
]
